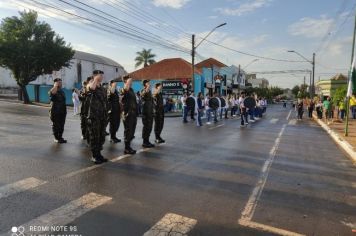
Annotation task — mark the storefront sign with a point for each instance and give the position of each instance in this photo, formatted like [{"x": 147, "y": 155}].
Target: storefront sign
[{"x": 172, "y": 85}]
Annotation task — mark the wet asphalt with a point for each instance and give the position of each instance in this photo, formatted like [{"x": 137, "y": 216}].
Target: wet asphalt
[{"x": 204, "y": 173}]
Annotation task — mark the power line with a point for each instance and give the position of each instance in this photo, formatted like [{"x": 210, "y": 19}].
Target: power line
[{"x": 110, "y": 28}]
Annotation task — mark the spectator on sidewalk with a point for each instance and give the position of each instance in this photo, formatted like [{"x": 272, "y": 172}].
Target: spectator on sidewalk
[
  {"x": 300, "y": 109},
  {"x": 184, "y": 107},
  {"x": 342, "y": 109},
  {"x": 311, "y": 106},
  {"x": 353, "y": 106},
  {"x": 327, "y": 107},
  {"x": 243, "y": 110},
  {"x": 319, "y": 109},
  {"x": 76, "y": 102}
]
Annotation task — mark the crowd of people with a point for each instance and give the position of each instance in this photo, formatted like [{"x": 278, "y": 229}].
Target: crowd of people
[
  {"x": 106, "y": 106},
  {"x": 249, "y": 107},
  {"x": 326, "y": 108}
]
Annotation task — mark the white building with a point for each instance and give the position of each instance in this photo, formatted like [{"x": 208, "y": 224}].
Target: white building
[{"x": 82, "y": 66}]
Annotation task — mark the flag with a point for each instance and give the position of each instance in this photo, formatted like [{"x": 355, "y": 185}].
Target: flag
[{"x": 352, "y": 80}]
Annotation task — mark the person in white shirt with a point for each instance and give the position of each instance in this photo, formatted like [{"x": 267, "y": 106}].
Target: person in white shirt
[
  {"x": 185, "y": 109},
  {"x": 207, "y": 109},
  {"x": 76, "y": 102},
  {"x": 243, "y": 110}
]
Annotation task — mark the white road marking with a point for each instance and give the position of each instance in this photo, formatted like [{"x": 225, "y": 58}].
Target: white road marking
[
  {"x": 93, "y": 167},
  {"x": 20, "y": 186},
  {"x": 274, "y": 121},
  {"x": 66, "y": 213},
  {"x": 290, "y": 112},
  {"x": 292, "y": 122},
  {"x": 216, "y": 126},
  {"x": 267, "y": 228},
  {"x": 250, "y": 207},
  {"x": 172, "y": 224}
]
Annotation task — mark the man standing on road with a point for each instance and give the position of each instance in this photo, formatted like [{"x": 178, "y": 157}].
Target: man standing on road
[
  {"x": 159, "y": 112},
  {"x": 58, "y": 110},
  {"x": 84, "y": 108},
  {"x": 129, "y": 105},
  {"x": 97, "y": 116},
  {"x": 114, "y": 111},
  {"x": 243, "y": 110},
  {"x": 184, "y": 107},
  {"x": 147, "y": 114}
]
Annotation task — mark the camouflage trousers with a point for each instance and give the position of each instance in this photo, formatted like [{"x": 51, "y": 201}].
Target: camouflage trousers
[{"x": 96, "y": 134}]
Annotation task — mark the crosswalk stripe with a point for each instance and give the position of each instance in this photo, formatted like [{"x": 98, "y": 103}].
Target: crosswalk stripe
[
  {"x": 20, "y": 186},
  {"x": 274, "y": 120},
  {"x": 64, "y": 214},
  {"x": 172, "y": 224}
]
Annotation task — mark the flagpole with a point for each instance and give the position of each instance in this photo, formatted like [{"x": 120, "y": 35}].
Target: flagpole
[{"x": 348, "y": 97}]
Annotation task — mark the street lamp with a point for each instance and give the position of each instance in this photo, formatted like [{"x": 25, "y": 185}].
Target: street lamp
[
  {"x": 312, "y": 91},
  {"x": 195, "y": 47}
]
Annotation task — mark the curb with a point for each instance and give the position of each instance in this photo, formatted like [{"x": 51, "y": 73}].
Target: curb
[{"x": 346, "y": 146}]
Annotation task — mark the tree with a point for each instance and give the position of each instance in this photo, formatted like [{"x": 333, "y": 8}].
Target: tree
[
  {"x": 145, "y": 57},
  {"x": 30, "y": 48},
  {"x": 295, "y": 90},
  {"x": 340, "y": 94}
]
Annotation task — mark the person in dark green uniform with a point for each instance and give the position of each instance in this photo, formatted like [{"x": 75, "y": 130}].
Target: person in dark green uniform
[
  {"x": 97, "y": 116},
  {"x": 147, "y": 113},
  {"x": 114, "y": 111},
  {"x": 58, "y": 110},
  {"x": 159, "y": 112},
  {"x": 84, "y": 108},
  {"x": 129, "y": 113}
]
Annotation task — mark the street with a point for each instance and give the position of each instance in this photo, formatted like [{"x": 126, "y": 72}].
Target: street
[{"x": 278, "y": 176}]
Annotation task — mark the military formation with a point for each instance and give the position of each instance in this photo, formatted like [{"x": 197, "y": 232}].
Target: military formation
[{"x": 102, "y": 107}]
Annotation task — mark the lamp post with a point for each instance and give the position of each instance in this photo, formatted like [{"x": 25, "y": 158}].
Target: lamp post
[
  {"x": 195, "y": 47},
  {"x": 312, "y": 91}
]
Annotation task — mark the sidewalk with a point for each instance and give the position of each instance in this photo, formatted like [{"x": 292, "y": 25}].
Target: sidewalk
[{"x": 336, "y": 130}]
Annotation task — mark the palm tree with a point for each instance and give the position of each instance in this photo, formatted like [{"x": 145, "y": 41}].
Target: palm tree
[{"x": 144, "y": 57}]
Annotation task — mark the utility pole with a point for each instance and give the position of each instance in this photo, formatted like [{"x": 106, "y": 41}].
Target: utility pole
[
  {"x": 312, "y": 88},
  {"x": 348, "y": 81},
  {"x": 193, "y": 57}
]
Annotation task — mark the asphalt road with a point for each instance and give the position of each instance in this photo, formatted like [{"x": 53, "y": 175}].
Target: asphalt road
[{"x": 278, "y": 176}]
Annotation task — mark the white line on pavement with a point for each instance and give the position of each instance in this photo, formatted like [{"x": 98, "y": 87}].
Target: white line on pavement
[
  {"x": 274, "y": 121},
  {"x": 250, "y": 207},
  {"x": 116, "y": 159},
  {"x": 172, "y": 224},
  {"x": 292, "y": 122},
  {"x": 64, "y": 214},
  {"x": 217, "y": 126},
  {"x": 290, "y": 112},
  {"x": 267, "y": 228},
  {"x": 20, "y": 186}
]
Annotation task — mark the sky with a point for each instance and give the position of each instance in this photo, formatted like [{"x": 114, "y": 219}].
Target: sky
[{"x": 263, "y": 28}]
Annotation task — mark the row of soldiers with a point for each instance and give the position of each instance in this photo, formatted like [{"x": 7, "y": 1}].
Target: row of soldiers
[{"x": 102, "y": 106}]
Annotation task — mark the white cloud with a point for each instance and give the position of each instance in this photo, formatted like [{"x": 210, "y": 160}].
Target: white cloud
[
  {"x": 176, "y": 4},
  {"x": 83, "y": 48},
  {"x": 213, "y": 17},
  {"x": 245, "y": 8},
  {"x": 311, "y": 27}
]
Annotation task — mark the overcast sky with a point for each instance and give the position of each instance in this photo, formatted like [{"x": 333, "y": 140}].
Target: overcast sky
[{"x": 266, "y": 28}]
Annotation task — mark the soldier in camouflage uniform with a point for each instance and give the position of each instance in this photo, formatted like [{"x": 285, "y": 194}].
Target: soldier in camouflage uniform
[
  {"x": 129, "y": 113},
  {"x": 84, "y": 108},
  {"x": 58, "y": 110},
  {"x": 147, "y": 114},
  {"x": 114, "y": 111},
  {"x": 97, "y": 116},
  {"x": 159, "y": 112}
]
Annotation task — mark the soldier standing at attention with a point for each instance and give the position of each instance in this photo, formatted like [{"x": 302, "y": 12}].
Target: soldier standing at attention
[
  {"x": 129, "y": 105},
  {"x": 114, "y": 111},
  {"x": 147, "y": 114},
  {"x": 97, "y": 116},
  {"x": 84, "y": 108},
  {"x": 159, "y": 112},
  {"x": 58, "y": 111}
]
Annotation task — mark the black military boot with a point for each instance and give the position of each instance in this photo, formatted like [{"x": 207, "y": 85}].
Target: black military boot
[
  {"x": 96, "y": 159},
  {"x": 160, "y": 140},
  {"x": 147, "y": 144},
  {"x": 113, "y": 139},
  {"x": 102, "y": 158},
  {"x": 128, "y": 149}
]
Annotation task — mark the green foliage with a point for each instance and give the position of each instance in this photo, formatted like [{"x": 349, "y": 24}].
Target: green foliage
[
  {"x": 339, "y": 94},
  {"x": 30, "y": 48},
  {"x": 145, "y": 57},
  {"x": 300, "y": 91}
]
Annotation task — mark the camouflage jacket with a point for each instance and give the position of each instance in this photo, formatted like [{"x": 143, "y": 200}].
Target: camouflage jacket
[
  {"x": 128, "y": 101},
  {"x": 147, "y": 102},
  {"x": 96, "y": 102}
]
